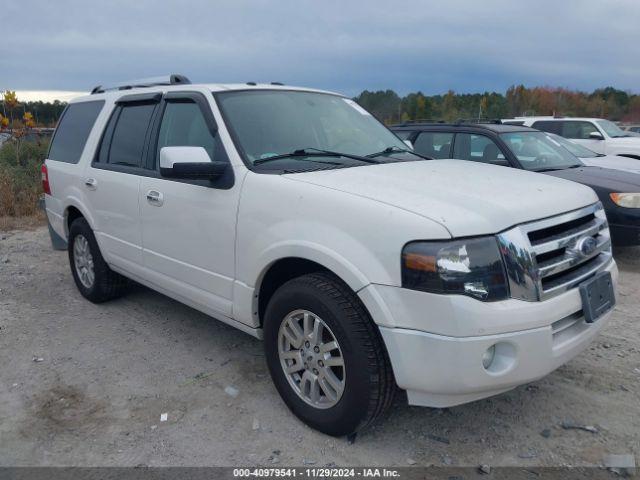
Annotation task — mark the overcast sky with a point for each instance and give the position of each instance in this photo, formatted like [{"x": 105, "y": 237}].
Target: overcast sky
[{"x": 346, "y": 46}]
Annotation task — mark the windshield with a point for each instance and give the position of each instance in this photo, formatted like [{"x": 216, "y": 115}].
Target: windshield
[
  {"x": 537, "y": 152},
  {"x": 612, "y": 129},
  {"x": 574, "y": 148},
  {"x": 269, "y": 123}
]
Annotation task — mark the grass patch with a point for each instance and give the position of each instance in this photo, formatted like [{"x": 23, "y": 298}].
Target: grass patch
[{"x": 20, "y": 179}]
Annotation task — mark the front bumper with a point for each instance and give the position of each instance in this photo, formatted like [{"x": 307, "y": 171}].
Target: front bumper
[
  {"x": 624, "y": 225},
  {"x": 445, "y": 369},
  {"x": 625, "y": 235}
]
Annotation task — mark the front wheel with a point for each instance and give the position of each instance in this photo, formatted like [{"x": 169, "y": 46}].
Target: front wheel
[{"x": 326, "y": 356}]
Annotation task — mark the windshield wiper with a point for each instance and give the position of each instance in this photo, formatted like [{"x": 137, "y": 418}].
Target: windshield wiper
[
  {"x": 315, "y": 152},
  {"x": 540, "y": 170},
  {"x": 394, "y": 149},
  {"x": 298, "y": 153}
]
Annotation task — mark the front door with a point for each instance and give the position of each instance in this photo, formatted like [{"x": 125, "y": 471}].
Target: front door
[
  {"x": 188, "y": 227},
  {"x": 579, "y": 131}
]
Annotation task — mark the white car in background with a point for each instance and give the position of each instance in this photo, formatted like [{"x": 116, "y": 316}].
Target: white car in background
[
  {"x": 601, "y": 136},
  {"x": 593, "y": 159}
]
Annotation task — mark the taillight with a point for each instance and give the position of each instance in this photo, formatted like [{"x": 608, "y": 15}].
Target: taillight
[{"x": 45, "y": 180}]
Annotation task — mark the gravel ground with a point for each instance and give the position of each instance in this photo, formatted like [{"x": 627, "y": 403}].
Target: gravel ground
[{"x": 84, "y": 384}]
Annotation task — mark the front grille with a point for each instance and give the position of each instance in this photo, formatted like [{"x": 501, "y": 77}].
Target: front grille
[{"x": 551, "y": 256}]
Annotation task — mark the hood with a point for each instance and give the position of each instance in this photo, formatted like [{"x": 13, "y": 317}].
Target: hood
[
  {"x": 614, "y": 162},
  {"x": 467, "y": 198},
  {"x": 601, "y": 178},
  {"x": 630, "y": 143}
]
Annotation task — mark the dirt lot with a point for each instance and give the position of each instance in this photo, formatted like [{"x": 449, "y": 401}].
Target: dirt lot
[{"x": 84, "y": 384}]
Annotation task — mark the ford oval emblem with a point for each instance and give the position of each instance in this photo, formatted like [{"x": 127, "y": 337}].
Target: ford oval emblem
[{"x": 586, "y": 246}]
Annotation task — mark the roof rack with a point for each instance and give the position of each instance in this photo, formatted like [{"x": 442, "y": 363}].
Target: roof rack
[
  {"x": 420, "y": 120},
  {"x": 494, "y": 121},
  {"x": 173, "y": 79}
]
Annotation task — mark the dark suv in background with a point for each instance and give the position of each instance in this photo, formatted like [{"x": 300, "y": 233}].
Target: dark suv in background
[{"x": 529, "y": 149}]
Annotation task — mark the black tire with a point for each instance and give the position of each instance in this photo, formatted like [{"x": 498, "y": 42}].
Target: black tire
[
  {"x": 369, "y": 382},
  {"x": 107, "y": 284}
]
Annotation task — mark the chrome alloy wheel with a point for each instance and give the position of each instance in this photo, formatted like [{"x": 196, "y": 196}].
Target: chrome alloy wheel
[
  {"x": 83, "y": 261},
  {"x": 311, "y": 359}
]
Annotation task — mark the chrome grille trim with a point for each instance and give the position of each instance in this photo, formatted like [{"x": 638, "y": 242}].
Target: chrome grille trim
[
  {"x": 532, "y": 279},
  {"x": 553, "y": 266},
  {"x": 555, "y": 243}
]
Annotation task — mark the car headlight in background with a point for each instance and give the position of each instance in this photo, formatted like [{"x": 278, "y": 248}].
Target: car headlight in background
[
  {"x": 627, "y": 200},
  {"x": 471, "y": 267}
]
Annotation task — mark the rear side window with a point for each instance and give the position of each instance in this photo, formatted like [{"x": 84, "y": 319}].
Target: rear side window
[
  {"x": 550, "y": 127},
  {"x": 73, "y": 131},
  {"x": 127, "y": 131}
]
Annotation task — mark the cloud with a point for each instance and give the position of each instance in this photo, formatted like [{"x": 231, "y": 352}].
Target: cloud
[{"x": 431, "y": 46}]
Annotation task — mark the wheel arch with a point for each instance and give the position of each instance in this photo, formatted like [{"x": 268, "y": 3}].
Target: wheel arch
[
  {"x": 283, "y": 268},
  {"x": 72, "y": 211}
]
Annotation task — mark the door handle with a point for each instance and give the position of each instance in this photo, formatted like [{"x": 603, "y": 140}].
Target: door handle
[
  {"x": 91, "y": 183},
  {"x": 154, "y": 198}
]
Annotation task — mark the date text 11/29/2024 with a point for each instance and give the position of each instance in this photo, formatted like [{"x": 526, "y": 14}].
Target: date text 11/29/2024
[{"x": 319, "y": 472}]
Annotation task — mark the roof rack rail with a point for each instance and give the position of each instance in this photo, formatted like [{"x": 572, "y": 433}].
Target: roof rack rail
[
  {"x": 173, "y": 79},
  {"x": 421, "y": 120},
  {"x": 495, "y": 121}
]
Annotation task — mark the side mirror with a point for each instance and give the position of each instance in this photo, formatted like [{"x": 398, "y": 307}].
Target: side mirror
[
  {"x": 595, "y": 136},
  {"x": 189, "y": 162}
]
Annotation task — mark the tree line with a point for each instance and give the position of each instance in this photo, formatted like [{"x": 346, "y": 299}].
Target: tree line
[
  {"x": 45, "y": 114},
  {"x": 518, "y": 100},
  {"x": 389, "y": 107}
]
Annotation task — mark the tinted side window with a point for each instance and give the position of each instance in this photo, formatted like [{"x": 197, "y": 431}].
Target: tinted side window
[
  {"x": 434, "y": 144},
  {"x": 551, "y": 127},
  {"x": 183, "y": 125},
  {"x": 73, "y": 131},
  {"x": 404, "y": 134},
  {"x": 129, "y": 134},
  {"x": 478, "y": 148},
  {"x": 578, "y": 130}
]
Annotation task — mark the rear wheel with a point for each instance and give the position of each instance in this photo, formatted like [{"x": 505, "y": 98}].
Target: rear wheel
[
  {"x": 93, "y": 277},
  {"x": 326, "y": 356}
]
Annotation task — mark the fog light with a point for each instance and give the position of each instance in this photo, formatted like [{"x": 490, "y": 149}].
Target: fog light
[{"x": 488, "y": 356}]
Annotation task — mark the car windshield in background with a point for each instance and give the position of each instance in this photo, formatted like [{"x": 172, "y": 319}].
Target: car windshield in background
[
  {"x": 270, "y": 123},
  {"x": 538, "y": 153},
  {"x": 612, "y": 129},
  {"x": 574, "y": 148}
]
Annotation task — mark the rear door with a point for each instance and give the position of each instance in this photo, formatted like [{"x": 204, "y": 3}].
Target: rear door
[
  {"x": 189, "y": 226},
  {"x": 112, "y": 181},
  {"x": 67, "y": 148}
]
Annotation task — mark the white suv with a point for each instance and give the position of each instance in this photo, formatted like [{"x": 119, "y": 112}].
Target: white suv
[
  {"x": 601, "y": 136},
  {"x": 295, "y": 216}
]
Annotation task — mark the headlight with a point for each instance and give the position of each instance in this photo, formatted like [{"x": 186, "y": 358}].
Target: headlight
[
  {"x": 627, "y": 200},
  {"x": 470, "y": 267}
]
